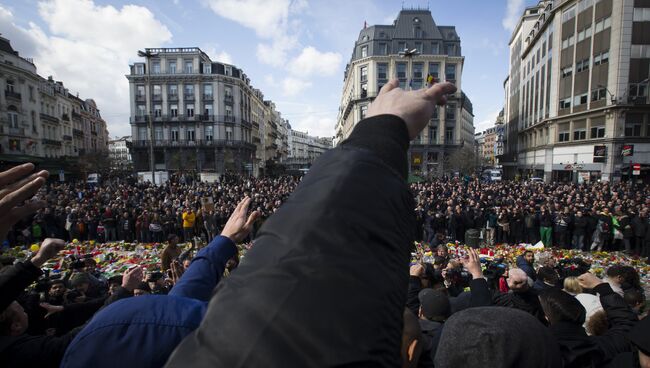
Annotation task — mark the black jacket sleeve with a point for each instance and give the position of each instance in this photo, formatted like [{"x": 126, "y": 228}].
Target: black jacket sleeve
[
  {"x": 480, "y": 293},
  {"x": 621, "y": 320},
  {"x": 34, "y": 351},
  {"x": 326, "y": 281},
  {"x": 14, "y": 281},
  {"x": 412, "y": 301}
]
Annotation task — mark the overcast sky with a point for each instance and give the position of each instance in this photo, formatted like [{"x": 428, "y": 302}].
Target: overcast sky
[{"x": 295, "y": 51}]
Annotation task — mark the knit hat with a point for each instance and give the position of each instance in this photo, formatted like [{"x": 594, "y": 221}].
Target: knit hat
[
  {"x": 435, "y": 304},
  {"x": 496, "y": 337}
]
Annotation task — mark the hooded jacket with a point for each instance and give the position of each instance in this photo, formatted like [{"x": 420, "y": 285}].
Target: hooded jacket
[
  {"x": 496, "y": 337},
  {"x": 143, "y": 331},
  {"x": 326, "y": 283}
]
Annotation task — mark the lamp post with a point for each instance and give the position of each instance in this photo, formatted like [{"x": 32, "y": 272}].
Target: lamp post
[
  {"x": 409, "y": 55},
  {"x": 148, "y": 55}
]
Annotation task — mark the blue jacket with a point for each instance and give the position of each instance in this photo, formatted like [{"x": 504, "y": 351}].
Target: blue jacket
[{"x": 143, "y": 331}]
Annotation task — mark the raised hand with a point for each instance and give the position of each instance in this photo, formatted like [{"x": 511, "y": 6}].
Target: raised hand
[
  {"x": 589, "y": 281},
  {"x": 238, "y": 226},
  {"x": 49, "y": 249},
  {"x": 17, "y": 185},
  {"x": 473, "y": 264},
  {"x": 132, "y": 277},
  {"x": 414, "y": 107},
  {"x": 51, "y": 309}
]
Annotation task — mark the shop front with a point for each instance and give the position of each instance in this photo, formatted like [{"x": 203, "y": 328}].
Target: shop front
[{"x": 577, "y": 173}]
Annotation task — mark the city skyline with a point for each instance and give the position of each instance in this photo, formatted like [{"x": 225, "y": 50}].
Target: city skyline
[{"x": 294, "y": 51}]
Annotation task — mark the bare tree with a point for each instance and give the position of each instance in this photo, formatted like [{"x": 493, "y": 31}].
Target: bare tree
[{"x": 462, "y": 160}]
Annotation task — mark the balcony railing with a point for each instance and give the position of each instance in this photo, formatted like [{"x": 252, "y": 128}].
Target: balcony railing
[
  {"x": 49, "y": 118},
  {"x": 188, "y": 97},
  {"x": 172, "y": 97},
  {"x": 226, "y": 118},
  {"x": 140, "y": 98},
  {"x": 77, "y": 132},
  {"x": 208, "y": 97},
  {"x": 205, "y": 117},
  {"x": 76, "y": 115},
  {"x": 12, "y": 94},
  {"x": 51, "y": 142},
  {"x": 228, "y": 99},
  {"x": 67, "y": 137},
  {"x": 12, "y": 130},
  {"x": 157, "y": 97},
  {"x": 195, "y": 143},
  {"x": 65, "y": 117}
]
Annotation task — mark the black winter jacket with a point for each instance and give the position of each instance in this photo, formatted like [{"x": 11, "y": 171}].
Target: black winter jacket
[
  {"x": 326, "y": 282},
  {"x": 580, "y": 350}
]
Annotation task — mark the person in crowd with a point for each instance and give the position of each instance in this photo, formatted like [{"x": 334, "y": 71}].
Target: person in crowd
[
  {"x": 525, "y": 262},
  {"x": 170, "y": 252},
  {"x": 189, "y": 218},
  {"x": 520, "y": 295},
  {"x": 546, "y": 227},
  {"x": 151, "y": 326},
  {"x": 547, "y": 278},
  {"x": 579, "y": 231},
  {"x": 566, "y": 317}
]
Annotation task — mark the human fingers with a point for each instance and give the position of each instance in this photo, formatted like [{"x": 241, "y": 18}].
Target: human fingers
[
  {"x": 15, "y": 214},
  {"x": 20, "y": 183},
  {"x": 15, "y": 173},
  {"x": 391, "y": 85},
  {"x": 437, "y": 93},
  {"x": 251, "y": 219},
  {"x": 14, "y": 198}
]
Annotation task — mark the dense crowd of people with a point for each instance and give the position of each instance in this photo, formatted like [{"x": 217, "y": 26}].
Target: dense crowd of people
[
  {"x": 597, "y": 216},
  {"x": 327, "y": 281}
]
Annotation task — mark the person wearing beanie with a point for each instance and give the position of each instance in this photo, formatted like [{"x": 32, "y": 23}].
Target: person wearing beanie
[
  {"x": 496, "y": 337},
  {"x": 435, "y": 308}
]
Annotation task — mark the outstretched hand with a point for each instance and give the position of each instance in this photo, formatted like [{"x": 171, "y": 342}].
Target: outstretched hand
[
  {"x": 17, "y": 185},
  {"x": 238, "y": 226},
  {"x": 414, "y": 107},
  {"x": 589, "y": 281},
  {"x": 49, "y": 249},
  {"x": 473, "y": 264},
  {"x": 51, "y": 309},
  {"x": 132, "y": 278}
]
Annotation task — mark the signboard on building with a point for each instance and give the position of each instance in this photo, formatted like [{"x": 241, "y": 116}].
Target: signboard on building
[
  {"x": 628, "y": 150},
  {"x": 600, "y": 153},
  {"x": 636, "y": 169}
]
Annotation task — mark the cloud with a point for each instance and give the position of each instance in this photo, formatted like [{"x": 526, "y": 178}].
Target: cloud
[
  {"x": 275, "y": 53},
  {"x": 310, "y": 119},
  {"x": 514, "y": 9},
  {"x": 312, "y": 61},
  {"x": 89, "y": 53},
  {"x": 292, "y": 86},
  {"x": 486, "y": 123},
  {"x": 215, "y": 55}
]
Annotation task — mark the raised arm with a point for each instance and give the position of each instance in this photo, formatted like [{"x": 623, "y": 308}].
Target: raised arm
[
  {"x": 208, "y": 266},
  {"x": 330, "y": 267}
]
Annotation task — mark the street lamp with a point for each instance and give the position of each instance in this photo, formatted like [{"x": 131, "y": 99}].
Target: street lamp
[
  {"x": 409, "y": 54},
  {"x": 148, "y": 55}
]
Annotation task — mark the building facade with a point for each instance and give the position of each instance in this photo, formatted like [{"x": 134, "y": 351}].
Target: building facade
[
  {"x": 120, "y": 155},
  {"x": 196, "y": 113},
  {"x": 576, "y": 96},
  {"x": 305, "y": 149},
  {"x": 376, "y": 59},
  {"x": 37, "y": 117}
]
